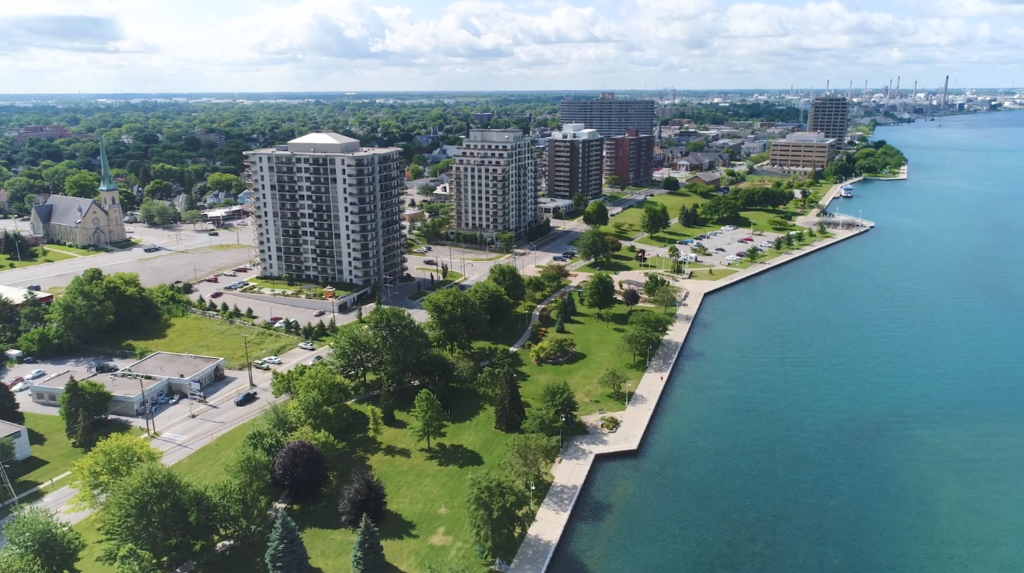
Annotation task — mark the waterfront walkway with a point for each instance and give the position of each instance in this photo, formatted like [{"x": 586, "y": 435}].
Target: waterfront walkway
[{"x": 579, "y": 452}]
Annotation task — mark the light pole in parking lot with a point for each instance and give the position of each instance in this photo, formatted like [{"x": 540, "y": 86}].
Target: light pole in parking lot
[{"x": 534, "y": 245}]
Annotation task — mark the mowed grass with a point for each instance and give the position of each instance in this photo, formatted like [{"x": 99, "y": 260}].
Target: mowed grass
[
  {"x": 9, "y": 262},
  {"x": 711, "y": 274},
  {"x": 630, "y": 218},
  {"x": 207, "y": 337},
  {"x": 72, "y": 250}
]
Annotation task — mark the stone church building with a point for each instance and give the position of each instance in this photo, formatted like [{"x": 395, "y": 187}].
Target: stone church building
[{"x": 83, "y": 222}]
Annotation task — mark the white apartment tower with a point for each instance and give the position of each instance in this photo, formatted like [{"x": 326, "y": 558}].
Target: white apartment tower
[
  {"x": 329, "y": 210},
  {"x": 495, "y": 185}
]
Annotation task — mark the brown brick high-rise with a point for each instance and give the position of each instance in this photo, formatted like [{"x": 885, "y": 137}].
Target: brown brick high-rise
[{"x": 631, "y": 157}]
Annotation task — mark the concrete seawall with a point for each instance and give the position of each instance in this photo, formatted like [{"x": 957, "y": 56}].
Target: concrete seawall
[{"x": 579, "y": 453}]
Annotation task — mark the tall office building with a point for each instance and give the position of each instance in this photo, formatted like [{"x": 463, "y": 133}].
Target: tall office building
[
  {"x": 328, "y": 209},
  {"x": 830, "y": 116},
  {"x": 631, "y": 157},
  {"x": 495, "y": 184},
  {"x": 803, "y": 151},
  {"x": 575, "y": 161},
  {"x": 611, "y": 116}
]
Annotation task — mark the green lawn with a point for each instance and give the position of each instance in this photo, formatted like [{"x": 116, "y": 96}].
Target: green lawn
[
  {"x": 208, "y": 337},
  {"x": 630, "y": 218},
  {"x": 52, "y": 453},
  {"x": 623, "y": 261},
  {"x": 72, "y": 250},
  {"x": 711, "y": 274},
  {"x": 453, "y": 276},
  {"x": 9, "y": 262},
  {"x": 130, "y": 243}
]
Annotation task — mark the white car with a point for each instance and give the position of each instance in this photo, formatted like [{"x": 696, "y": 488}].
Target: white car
[
  {"x": 766, "y": 244},
  {"x": 272, "y": 360},
  {"x": 307, "y": 345},
  {"x": 230, "y": 274},
  {"x": 21, "y": 386},
  {"x": 37, "y": 373}
]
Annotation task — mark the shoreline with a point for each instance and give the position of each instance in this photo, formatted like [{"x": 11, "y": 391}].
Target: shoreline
[{"x": 580, "y": 452}]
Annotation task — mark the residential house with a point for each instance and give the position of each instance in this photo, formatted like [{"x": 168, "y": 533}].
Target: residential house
[
  {"x": 712, "y": 179},
  {"x": 424, "y": 140}
]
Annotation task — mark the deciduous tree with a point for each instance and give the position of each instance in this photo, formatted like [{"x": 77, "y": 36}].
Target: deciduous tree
[
  {"x": 455, "y": 318},
  {"x": 300, "y": 469},
  {"x": 494, "y": 505},
  {"x": 612, "y": 380},
  {"x": 593, "y": 244},
  {"x": 599, "y": 291},
  {"x": 528, "y": 457},
  {"x": 596, "y": 214},
  {"x": 654, "y": 218},
  {"x": 508, "y": 278},
  {"x": 429, "y": 419},
  {"x": 112, "y": 460},
  {"x": 37, "y": 532},
  {"x": 10, "y": 411},
  {"x": 366, "y": 496}
]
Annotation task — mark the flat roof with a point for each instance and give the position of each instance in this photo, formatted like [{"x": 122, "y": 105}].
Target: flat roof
[
  {"x": 19, "y": 295},
  {"x": 8, "y": 428},
  {"x": 117, "y": 385},
  {"x": 170, "y": 364}
]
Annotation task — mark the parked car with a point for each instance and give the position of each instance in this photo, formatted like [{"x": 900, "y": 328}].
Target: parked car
[
  {"x": 741, "y": 241},
  {"x": 30, "y": 360},
  {"x": 281, "y": 324},
  {"x": 430, "y": 262},
  {"x": 259, "y": 364},
  {"x": 307, "y": 345},
  {"x": 766, "y": 244},
  {"x": 164, "y": 399},
  {"x": 561, "y": 259},
  {"x": 175, "y": 399},
  {"x": 748, "y": 239},
  {"x": 241, "y": 270},
  {"x": 20, "y": 386},
  {"x": 15, "y": 380},
  {"x": 245, "y": 398},
  {"x": 315, "y": 359},
  {"x": 569, "y": 254},
  {"x": 719, "y": 249},
  {"x": 230, "y": 274},
  {"x": 37, "y": 373},
  {"x": 273, "y": 360},
  {"x": 105, "y": 368},
  {"x": 36, "y": 288},
  {"x": 276, "y": 319},
  {"x": 213, "y": 233},
  {"x": 428, "y": 248},
  {"x": 212, "y": 280},
  {"x": 741, "y": 254},
  {"x": 320, "y": 313},
  {"x": 216, "y": 294}
]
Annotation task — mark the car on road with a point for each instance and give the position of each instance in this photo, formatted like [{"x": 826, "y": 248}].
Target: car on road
[
  {"x": 259, "y": 364},
  {"x": 37, "y": 373},
  {"x": 230, "y": 274},
  {"x": 307, "y": 345},
  {"x": 320, "y": 313},
  {"x": 719, "y": 249},
  {"x": 245, "y": 398},
  {"x": 213, "y": 233},
  {"x": 315, "y": 360},
  {"x": 151, "y": 249},
  {"x": 276, "y": 319},
  {"x": 560, "y": 259},
  {"x": 216, "y": 294},
  {"x": 273, "y": 360},
  {"x": 34, "y": 287},
  {"x": 212, "y": 280},
  {"x": 430, "y": 262},
  {"x": 241, "y": 270},
  {"x": 428, "y": 248}
]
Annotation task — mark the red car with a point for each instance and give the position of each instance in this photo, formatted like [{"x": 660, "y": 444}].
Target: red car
[
  {"x": 15, "y": 380},
  {"x": 213, "y": 280},
  {"x": 748, "y": 239},
  {"x": 276, "y": 319},
  {"x": 241, "y": 270},
  {"x": 216, "y": 294}
]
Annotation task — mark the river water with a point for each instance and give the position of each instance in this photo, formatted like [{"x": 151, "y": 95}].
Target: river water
[{"x": 861, "y": 409}]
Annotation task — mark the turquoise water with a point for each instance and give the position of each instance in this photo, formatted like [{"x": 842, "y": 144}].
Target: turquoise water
[{"x": 861, "y": 409}]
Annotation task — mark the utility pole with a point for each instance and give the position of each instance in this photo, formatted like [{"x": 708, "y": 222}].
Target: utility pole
[
  {"x": 248, "y": 365},
  {"x": 145, "y": 404}
]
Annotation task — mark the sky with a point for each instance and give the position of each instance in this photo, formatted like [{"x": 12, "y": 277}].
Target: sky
[{"x": 149, "y": 46}]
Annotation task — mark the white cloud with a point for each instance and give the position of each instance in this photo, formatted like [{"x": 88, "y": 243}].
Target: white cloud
[{"x": 324, "y": 45}]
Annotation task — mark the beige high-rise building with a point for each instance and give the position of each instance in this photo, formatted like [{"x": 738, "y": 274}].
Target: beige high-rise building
[
  {"x": 830, "y": 116},
  {"x": 802, "y": 150},
  {"x": 495, "y": 183},
  {"x": 328, "y": 209}
]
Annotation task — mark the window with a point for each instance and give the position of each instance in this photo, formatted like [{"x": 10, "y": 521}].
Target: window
[
  {"x": 40, "y": 396},
  {"x": 51, "y": 397}
]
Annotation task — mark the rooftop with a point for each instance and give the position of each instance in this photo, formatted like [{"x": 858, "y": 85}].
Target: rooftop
[
  {"x": 118, "y": 386},
  {"x": 169, "y": 364},
  {"x": 20, "y": 295},
  {"x": 7, "y": 428}
]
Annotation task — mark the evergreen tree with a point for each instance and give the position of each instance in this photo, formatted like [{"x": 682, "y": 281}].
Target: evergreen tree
[
  {"x": 286, "y": 553},
  {"x": 249, "y": 313},
  {"x": 211, "y": 306},
  {"x": 509, "y": 412},
  {"x": 368, "y": 553},
  {"x": 9, "y": 409},
  {"x": 560, "y": 325},
  {"x": 73, "y": 411}
]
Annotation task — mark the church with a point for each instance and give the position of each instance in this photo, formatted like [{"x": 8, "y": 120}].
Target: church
[{"x": 81, "y": 222}]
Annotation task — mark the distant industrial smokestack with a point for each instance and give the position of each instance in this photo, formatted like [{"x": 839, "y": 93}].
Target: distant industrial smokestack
[
  {"x": 897, "y": 87},
  {"x": 888, "y": 92},
  {"x": 849, "y": 92},
  {"x": 945, "y": 90},
  {"x": 827, "y": 82},
  {"x": 915, "y": 91}
]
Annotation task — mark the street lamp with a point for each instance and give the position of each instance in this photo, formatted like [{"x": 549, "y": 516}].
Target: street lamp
[
  {"x": 560, "y": 433},
  {"x": 648, "y": 355},
  {"x": 628, "y": 383},
  {"x": 534, "y": 245},
  {"x": 532, "y": 487}
]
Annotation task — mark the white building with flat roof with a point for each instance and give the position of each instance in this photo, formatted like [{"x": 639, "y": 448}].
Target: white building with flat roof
[{"x": 19, "y": 436}]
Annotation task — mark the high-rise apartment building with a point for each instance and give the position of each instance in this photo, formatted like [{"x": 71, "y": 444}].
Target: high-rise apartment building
[
  {"x": 830, "y": 116},
  {"x": 575, "y": 162},
  {"x": 495, "y": 184},
  {"x": 611, "y": 116},
  {"x": 329, "y": 210},
  {"x": 631, "y": 157}
]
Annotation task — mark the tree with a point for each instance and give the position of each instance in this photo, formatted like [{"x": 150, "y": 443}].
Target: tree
[
  {"x": 158, "y": 189},
  {"x": 300, "y": 469},
  {"x": 112, "y": 460},
  {"x": 593, "y": 244},
  {"x": 553, "y": 274},
  {"x": 509, "y": 412},
  {"x": 363, "y": 496},
  {"x": 822, "y": 229},
  {"x": 666, "y": 296},
  {"x": 368, "y": 553},
  {"x": 225, "y": 182},
  {"x": 429, "y": 418},
  {"x": 82, "y": 405},
  {"x": 83, "y": 184},
  {"x": 638, "y": 340},
  {"x": 654, "y": 218},
  {"x": 612, "y": 380},
  {"x": 352, "y": 353},
  {"x": 415, "y": 172},
  {"x": 508, "y": 278},
  {"x": 10, "y": 411},
  {"x": 599, "y": 291},
  {"x": 596, "y": 214},
  {"x": 242, "y": 512},
  {"x": 670, "y": 183},
  {"x": 131, "y": 559},
  {"x": 37, "y": 532},
  {"x": 528, "y": 457},
  {"x": 494, "y": 505},
  {"x": 399, "y": 344},
  {"x": 193, "y": 217},
  {"x": 154, "y": 213},
  {"x": 697, "y": 145},
  {"x": 778, "y": 243},
  {"x": 579, "y": 202},
  {"x": 12, "y": 561},
  {"x": 720, "y": 207},
  {"x": 157, "y": 511},
  {"x": 320, "y": 400},
  {"x": 654, "y": 282},
  {"x": 492, "y": 303},
  {"x": 286, "y": 552},
  {"x": 455, "y": 318},
  {"x": 631, "y": 297},
  {"x": 753, "y": 253},
  {"x": 375, "y": 427},
  {"x": 615, "y": 181}
]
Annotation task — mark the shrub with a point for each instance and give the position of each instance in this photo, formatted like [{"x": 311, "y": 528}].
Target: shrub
[
  {"x": 610, "y": 423},
  {"x": 552, "y": 349},
  {"x": 365, "y": 495},
  {"x": 300, "y": 469}
]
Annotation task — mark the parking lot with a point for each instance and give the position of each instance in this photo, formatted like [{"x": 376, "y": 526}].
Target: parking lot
[{"x": 726, "y": 246}]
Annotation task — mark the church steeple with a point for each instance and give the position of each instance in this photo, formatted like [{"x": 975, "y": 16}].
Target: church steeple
[{"x": 107, "y": 183}]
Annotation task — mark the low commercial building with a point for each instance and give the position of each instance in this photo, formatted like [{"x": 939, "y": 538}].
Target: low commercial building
[
  {"x": 548, "y": 205},
  {"x": 710, "y": 179},
  {"x": 19, "y": 437},
  {"x": 802, "y": 151},
  {"x": 18, "y": 296},
  {"x": 47, "y": 132},
  {"x": 754, "y": 147},
  {"x": 142, "y": 382}
]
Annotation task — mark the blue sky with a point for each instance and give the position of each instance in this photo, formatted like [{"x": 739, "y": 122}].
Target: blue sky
[{"x": 62, "y": 46}]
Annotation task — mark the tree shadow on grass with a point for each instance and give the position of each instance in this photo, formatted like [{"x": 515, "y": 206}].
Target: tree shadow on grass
[
  {"x": 394, "y": 526},
  {"x": 464, "y": 405},
  {"x": 457, "y": 455},
  {"x": 396, "y": 452}
]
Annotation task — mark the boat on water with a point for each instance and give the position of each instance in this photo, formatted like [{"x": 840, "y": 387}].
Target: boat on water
[
  {"x": 847, "y": 187},
  {"x": 845, "y": 193}
]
